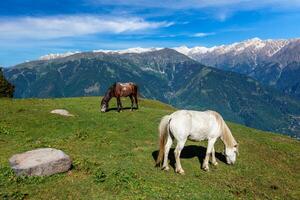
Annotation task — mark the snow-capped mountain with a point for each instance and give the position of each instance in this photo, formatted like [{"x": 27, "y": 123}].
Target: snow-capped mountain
[
  {"x": 57, "y": 55},
  {"x": 229, "y": 56},
  {"x": 121, "y": 51},
  {"x": 254, "y": 49},
  {"x": 130, "y": 50},
  {"x": 272, "y": 62},
  {"x": 268, "y": 61}
]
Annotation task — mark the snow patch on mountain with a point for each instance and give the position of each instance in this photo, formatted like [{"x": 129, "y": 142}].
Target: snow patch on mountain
[
  {"x": 198, "y": 49},
  {"x": 122, "y": 51},
  {"x": 57, "y": 55},
  {"x": 252, "y": 46},
  {"x": 130, "y": 50}
]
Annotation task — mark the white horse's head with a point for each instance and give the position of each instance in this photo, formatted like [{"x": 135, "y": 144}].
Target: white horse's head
[{"x": 231, "y": 153}]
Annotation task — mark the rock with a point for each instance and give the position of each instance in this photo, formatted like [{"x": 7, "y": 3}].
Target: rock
[
  {"x": 61, "y": 112},
  {"x": 40, "y": 162}
]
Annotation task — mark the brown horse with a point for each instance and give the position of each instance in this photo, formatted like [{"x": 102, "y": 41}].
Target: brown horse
[{"x": 119, "y": 90}]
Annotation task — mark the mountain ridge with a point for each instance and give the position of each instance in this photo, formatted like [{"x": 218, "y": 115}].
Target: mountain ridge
[
  {"x": 263, "y": 60},
  {"x": 259, "y": 43}
]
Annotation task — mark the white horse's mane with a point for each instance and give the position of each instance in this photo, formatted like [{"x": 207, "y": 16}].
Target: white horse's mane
[{"x": 226, "y": 136}]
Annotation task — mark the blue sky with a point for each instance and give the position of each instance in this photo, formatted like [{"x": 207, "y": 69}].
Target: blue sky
[{"x": 32, "y": 28}]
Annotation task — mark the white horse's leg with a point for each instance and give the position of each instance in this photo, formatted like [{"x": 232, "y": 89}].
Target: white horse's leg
[
  {"x": 213, "y": 157},
  {"x": 167, "y": 149},
  {"x": 178, "y": 149},
  {"x": 210, "y": 146}
]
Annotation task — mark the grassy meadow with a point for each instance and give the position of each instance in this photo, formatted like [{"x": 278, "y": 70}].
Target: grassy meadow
[{"x": 114, "y": 156}]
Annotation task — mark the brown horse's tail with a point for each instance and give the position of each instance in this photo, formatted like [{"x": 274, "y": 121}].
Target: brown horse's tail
[
  {"x": 137, "y": 91},
  {"x": 163, "y": 129}
]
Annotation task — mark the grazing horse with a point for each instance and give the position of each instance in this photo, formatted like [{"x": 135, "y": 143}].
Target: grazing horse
[
  {"x": 119, "y": 90},
  {"x": 196, "y": 126}
]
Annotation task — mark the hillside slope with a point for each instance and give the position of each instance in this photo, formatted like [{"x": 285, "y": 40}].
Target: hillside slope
[
  {"x": 165, "y": 75},
  {"x": 113, "y": 155}
]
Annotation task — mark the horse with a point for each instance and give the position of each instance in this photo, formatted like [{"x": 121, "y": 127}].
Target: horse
[
  {"x": 195, "y": 126},
  {"x": 119, "y": 90}
]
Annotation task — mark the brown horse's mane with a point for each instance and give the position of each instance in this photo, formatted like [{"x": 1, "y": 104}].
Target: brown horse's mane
[
  {"x": 112, "y": 87},
  {"x": 111, "y": 90},
  {"x": 109, "y": 94}
]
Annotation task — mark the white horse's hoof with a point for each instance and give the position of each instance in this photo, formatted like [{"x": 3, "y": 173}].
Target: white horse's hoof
[
  {"x": 206, "y": 168},
  {"x": 180, "y": 171},
  {"x": 215, "y": 163},
  {"x": 166, "y": 168}
]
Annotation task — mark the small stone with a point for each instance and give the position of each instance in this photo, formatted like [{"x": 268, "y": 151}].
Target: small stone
[
  {"x": 40, "y": 162},
  {"x": 61, "y": 112}
]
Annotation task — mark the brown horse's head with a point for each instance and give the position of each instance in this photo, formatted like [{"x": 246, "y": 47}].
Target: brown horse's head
[
  {"x": 108, "y": 95},
  {"x": 104, "y": 105}
]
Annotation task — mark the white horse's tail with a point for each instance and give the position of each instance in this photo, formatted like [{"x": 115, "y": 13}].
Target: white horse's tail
[{"x": 163, "y": 129}]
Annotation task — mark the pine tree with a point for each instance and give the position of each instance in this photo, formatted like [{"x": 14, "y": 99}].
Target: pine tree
[{"x": 6, "y": 88}]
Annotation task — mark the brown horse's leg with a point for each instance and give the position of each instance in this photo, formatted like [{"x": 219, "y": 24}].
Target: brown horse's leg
[
  {"x": 131, "y": 98},
  {"x": 119, "y": 104},
  {"x": 136, "y": 101}
]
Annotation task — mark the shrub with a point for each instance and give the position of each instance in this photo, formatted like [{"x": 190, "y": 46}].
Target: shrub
[{"x": 6, "y": 88}]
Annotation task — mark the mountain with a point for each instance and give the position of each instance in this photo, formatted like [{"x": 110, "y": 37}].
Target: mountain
[
  {"x": 130, "y": 50},
  {"x": 57, "y": 55},
  {"x": 289, "y": 80},
  {"x": 165, "y": 75},
  {"x": 91, "y": 73},
  {"x": 268, "y": 61}
]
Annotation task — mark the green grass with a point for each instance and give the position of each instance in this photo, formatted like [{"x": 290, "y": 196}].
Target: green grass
[{"x": 113, "y": 156}]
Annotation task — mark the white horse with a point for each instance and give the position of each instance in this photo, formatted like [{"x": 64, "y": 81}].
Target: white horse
[{"x": 195, "y": 126}]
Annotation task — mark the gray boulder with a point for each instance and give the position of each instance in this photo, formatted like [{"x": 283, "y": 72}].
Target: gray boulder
[
  {"x": 40, "y": 162},
  {"x": 62, "y": 112}
]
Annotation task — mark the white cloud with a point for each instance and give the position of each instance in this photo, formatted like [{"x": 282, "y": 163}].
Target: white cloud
[
  {"x": 65, "y": 26},
  {"x": 192, "y": 4},
  {"x": 203, "y": 34}
]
